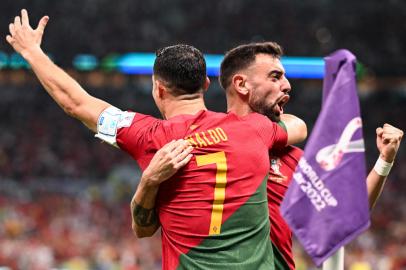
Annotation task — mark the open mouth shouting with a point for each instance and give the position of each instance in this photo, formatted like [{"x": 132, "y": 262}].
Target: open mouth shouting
[{"x": 278, "y": 108}]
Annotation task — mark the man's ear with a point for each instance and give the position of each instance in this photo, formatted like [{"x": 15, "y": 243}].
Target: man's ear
[
  {"x": 206, "y": 84},
  {"x": 160, "y": 88},
  {"x": 239, "y": 82}
]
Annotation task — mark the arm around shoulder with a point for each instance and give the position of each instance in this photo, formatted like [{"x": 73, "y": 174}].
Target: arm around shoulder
[
  {"x": 295, "y": 127},
  {"x": 144, "y": 218},
  {"x": 165, "y": 163}
]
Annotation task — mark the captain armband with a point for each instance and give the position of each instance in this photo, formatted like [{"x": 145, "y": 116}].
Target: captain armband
[{"x": 110, "y": 120}]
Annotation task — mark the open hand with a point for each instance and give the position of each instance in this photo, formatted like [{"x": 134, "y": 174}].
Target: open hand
[
  {"x": 22, "y": 37},
  {"x": 167, "y": 161}
]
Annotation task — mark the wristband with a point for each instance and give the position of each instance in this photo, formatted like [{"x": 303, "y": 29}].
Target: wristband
[{"x": 382, "y": 167}]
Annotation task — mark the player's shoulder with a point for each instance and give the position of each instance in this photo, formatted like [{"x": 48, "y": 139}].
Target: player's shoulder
[
  {"x": 246, "y": 118},
  {"x": 290, "y": 151},
  {"x": 258, "y": 121},
  {"x": 231, "y": 116},
  {"x": 203, "y": 116},
  {"x": 256, "y": 117},
  {"x": 216, "y": 115},
  {"x": 294, "y": 150}
]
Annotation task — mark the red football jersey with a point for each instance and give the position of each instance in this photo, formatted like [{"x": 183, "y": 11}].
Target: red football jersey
[
  {"x": 213, "y": 212},
  {"x": 283, "y": 165}
]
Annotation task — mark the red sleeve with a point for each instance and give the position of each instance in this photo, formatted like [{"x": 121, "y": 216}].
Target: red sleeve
[
  {"x": 142, "y": 138},
  {"x": 272, "y": 134}
]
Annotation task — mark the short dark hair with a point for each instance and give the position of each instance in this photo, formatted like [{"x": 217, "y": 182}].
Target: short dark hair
[
  {"x": 181, "y": 67},
  {"x": 242, "y": 57}
]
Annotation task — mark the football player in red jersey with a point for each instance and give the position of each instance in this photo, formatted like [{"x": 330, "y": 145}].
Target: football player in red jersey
[
  {"x": 248, "y": 73},
  {"x": 251, "y": 68},
  {"x": 214, "y": 212},
  {"x": 255, "y": 86}
]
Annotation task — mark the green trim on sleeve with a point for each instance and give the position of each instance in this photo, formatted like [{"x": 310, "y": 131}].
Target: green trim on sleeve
[{"x": 282, "y": 124}]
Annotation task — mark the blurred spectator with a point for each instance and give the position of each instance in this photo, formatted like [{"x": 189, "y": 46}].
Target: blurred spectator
[{"x": 311, "y": 28}]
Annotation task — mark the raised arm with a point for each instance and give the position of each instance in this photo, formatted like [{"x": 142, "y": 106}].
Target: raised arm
[
  {"x": 69, "y": 95},
  {"x": 295, "y": 127},
  {"x": 388, "y": 139},
  {"x": 165, "y": 163}
]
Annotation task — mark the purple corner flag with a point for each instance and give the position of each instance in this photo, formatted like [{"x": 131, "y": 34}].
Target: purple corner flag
[{"x": 326, "y": 205}]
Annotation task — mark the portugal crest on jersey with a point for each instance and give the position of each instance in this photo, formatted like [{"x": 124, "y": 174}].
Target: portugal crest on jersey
[{"x": 275, "y": 173}]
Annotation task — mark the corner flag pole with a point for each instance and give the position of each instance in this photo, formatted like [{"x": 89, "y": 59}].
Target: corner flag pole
[{"x": 336, "y": 261}]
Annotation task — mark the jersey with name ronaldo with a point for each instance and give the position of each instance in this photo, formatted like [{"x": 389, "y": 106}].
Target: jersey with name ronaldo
[
  {"x": 213, "y": 212},
  {"x": 283, "y": 165}
]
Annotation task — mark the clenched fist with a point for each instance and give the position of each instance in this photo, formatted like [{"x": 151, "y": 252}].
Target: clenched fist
[{"x": 388, "y": 139}]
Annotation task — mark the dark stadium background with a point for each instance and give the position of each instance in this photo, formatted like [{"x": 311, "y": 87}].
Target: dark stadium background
[{"x": 64, "y": 196}]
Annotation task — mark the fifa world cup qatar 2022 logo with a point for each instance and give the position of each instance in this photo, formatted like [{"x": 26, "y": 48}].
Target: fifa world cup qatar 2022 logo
[{"x": 330, "y": 157}]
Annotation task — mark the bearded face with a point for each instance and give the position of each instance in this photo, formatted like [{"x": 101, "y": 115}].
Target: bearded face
[
  {"x": 266, "y": 105},
  {"x": 268, "y": 86}
]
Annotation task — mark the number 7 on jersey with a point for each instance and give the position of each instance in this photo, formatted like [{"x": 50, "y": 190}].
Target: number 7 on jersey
[{"x": 218, "y": 158}]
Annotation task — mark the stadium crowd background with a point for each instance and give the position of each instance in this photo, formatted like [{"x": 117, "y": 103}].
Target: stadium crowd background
[{"x": 64, "y": 196}]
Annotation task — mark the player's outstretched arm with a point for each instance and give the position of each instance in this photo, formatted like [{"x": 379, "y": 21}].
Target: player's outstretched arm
[
  {"x": 165, "y": 163},
  {"x": 295, "y": 127},
  {"x": 70, "y": 96},
  {"x": 388, "y": 139}
]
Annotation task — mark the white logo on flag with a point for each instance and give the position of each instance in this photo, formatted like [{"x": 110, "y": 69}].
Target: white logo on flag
[{"x": 329, "y": 157}]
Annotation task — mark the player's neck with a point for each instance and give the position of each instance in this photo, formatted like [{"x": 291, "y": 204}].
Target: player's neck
[
  {"x": 238, "y": 106},
  {"x": 184, "y": 106}
]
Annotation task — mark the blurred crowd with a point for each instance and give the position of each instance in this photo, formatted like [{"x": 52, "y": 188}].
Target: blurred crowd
[
  {"x": 303, "y": 27},
  {"x": 53, "y": 230},
  {"x": 64, "y": 196}
]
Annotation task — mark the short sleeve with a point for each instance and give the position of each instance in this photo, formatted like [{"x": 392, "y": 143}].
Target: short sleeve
[
  {"x": 137, "y": 134},
  {"x": 110, "y": 120}
]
